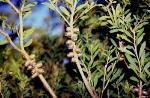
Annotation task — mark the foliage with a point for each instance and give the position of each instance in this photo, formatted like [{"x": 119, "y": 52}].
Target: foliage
[{"x": 113, "y": 58}]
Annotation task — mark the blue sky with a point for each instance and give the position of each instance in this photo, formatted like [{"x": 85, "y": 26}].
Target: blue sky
[{"x": 37, "y": 17}]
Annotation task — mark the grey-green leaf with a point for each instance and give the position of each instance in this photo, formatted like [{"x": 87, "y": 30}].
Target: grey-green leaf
[
  {"x": 142, "y": 58},
  {"x": 28, "y": 43},
  {"x": 65, "y": 11},
  {"x": 28, "y": 32},
  {"x": 113, "y": 42},
  {"x": 147, "y": 68},
  {"x": 139, "y": 39},
  {"x": 81, "y": 6},
  {"x": 142, "y": 48},
  {"x": 134, "y": 79},
  {"x": 130, "y": 59}
]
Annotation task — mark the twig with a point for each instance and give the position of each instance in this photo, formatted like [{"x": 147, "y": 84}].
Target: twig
[
  {"x": 89, "y": 88},
  {"x": 59, "y": 12},
  {"x": 13, "y": 6},
  {"x": 9, "y": 40},
  {"x": 138, "y": 59},
  {"x": 21, "y": 30},
  {"x": 46, "y": 85}
]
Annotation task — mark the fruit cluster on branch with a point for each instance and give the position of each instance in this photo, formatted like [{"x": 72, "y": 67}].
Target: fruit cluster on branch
[
  {"x": 71, "y": 43},
  {"x": 36, "y": 68}
]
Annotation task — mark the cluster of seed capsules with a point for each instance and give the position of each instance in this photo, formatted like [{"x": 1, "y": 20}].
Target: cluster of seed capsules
[
  {"x": 36, "y": 68},
  {"x": 71, "y": 43}
]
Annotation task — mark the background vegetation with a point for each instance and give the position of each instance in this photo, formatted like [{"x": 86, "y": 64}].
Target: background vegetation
[{"x": 113, "y": 57}]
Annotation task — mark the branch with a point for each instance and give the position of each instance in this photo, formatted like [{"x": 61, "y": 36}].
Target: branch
[
  {"x": 9, "y": 40},
  {"x": 13, "y": 6},
  {"x": 22, "y": 51},
  {"x": 21, "y": 30},
  {"x": 46, "y": 85},
  {"x": 59, "y": 12}
]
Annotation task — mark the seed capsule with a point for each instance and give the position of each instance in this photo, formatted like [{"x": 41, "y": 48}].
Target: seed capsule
[
  {"x": 71, "y": 46},
  {"x": 32, "y": 62},
  {"x": 27, "y": 63},
  {"x": 73, "y": 59},
  {"x": 77, "y": 50},
  {"x": 68, "y": 29},
  {"x": 74, "y": 37},
  {"x": 68, "y": 34},
  {"x": 34, "y": 75},
  {"x": 29, "y": 67},
  {"x": 69, "y": 42},
  {"x": 39, "y": 65},
  {"x": 79, "y": 55},
  {"x": 33, "y": 71},
  {"x": 40, "y": 71},
  {"x": 76, "y": 29},
  {"x": 71, "y": 54}
]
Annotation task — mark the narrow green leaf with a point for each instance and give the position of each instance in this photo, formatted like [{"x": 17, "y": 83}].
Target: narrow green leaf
[
  {"x": 26, "y": 14},
  {"x": 30, "y": 5},
  {"x": 134, "y": 68},
  {"x": 129, "y": 47},
  {"x": 81, "y": 6},
  {"x": 130, "y": 59},
  {"x": 128, "y": 17},
  {"x": 134, "y": 79},
  {"x": 102, "y": 18},
  {"x": 143, "y": 76},
  {"x": 139, "y": 39},
  {"x": 142, "y": 48},
  {"x": 28, "y": 43},
  {"x": 125, "y": 38},
  {"x": 49, "y": 5},
  {"x": 104, "y": 23},
  {"x": 118, "y": 10},
  {"x": 110, "y": 22},
  {"x": 84, "y": 17},
  {"x": 128, "y": 52},
  {"x": 121, "y": 22},
  {"x": 113, "y": 42},
  {"x": 140, "y": 26},
  {"x": 147, "y": 68},
  {"x": 114, "y": 14},
  {"x": 96, "y": 76},
  {"x": 95, "y": 46},
  {"x": 96, "y": 53},
  {"x": 112, "y": 59},
  {"x": 109, "y": 68},
  {"x": 114, "y": 30},
  {"x": 116, "y": 75},
  {"x": 120, "y": 78},
  {"x": 86, "y": 56},
  {"x": 28, "y": 32},
  {"x": 65, "y": 11},
  {"x": 142, "y": 58},
  {"x": 126, "y": 32},
  {"x": 140, "y": 32}
]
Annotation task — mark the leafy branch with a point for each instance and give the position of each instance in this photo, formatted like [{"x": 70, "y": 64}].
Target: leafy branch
[
  {"x": 130, "y": 42},
  {"x": 30, "y": 62},
  {"x": 72, "y": 34}
]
